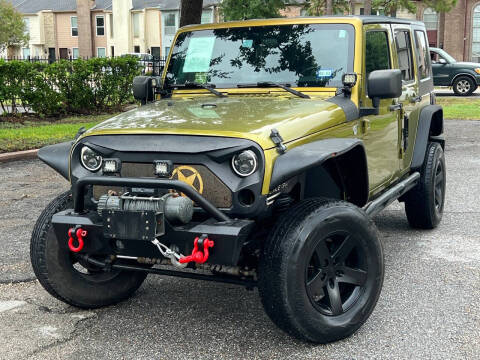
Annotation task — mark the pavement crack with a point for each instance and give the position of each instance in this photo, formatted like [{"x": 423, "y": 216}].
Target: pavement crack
[
  {"x": 82, "y": 322},
  {"x": 17, "y": 281}
]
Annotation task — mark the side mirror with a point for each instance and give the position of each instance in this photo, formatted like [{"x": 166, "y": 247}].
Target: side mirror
[
  {"x": 144, "y": 88},
  {"x": 442, "y": 61},
  {"x": 384, "y": 84}
]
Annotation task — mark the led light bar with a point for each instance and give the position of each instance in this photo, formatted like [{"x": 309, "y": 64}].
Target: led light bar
[
  {"x": 111, "y": 166},
  {"x": 163, "y": 168}
]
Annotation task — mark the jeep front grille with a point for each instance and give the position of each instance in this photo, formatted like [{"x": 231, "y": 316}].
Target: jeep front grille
[{"x": 199, "y": 176}]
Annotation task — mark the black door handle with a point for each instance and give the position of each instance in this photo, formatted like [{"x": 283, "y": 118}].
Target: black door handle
[
  {"x": 396, "y": 107},
  {"x": 416, "y": 99}
]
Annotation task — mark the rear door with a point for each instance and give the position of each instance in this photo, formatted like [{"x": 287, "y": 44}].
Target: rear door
[{"x": 405, "y": 61}]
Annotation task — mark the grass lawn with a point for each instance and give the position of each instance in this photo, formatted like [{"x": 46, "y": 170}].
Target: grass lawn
[
  {"x": 460, "y": 108},
  {"x": 32, "y": 134}
]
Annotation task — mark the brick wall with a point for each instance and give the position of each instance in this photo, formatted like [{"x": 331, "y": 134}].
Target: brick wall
[
  {"x": 49, "y": 24},
  {"x": 85, "y": 41},
  {"x": 291, "y": 11}
]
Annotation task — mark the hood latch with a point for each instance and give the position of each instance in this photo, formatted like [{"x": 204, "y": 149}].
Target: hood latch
[{"x": 278, "y": 141}]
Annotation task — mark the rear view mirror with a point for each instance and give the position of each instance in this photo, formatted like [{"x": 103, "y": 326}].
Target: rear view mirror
[{"x": 384, "y": 84}]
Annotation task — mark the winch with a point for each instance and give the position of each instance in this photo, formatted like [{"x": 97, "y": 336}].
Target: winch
[{"x": 177, "y": 209}]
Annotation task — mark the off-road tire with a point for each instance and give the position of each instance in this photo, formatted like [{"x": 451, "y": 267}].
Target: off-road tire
[
  {"x": 285, "y": 264},
  {"x": 54, "y": 270},
  {"x": 464, "y": 86},
  {"x": 424, "y": 203}
]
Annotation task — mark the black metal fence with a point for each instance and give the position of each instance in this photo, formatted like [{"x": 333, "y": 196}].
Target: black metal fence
[{"x": 153, "y": 66}]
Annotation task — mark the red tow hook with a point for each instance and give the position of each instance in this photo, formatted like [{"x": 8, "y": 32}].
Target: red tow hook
[
  {"x": 76, "y": 234},
  {"x": 197, "y": 255}
]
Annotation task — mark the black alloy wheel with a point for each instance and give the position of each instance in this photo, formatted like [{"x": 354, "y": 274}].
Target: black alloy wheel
[{"x": 336, "y": 273}]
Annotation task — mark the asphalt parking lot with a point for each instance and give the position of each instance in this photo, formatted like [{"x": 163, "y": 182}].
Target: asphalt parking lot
[{"x": 429, "y": 307}]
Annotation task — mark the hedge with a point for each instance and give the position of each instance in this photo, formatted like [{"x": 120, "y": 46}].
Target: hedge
[{"x": 67, "y": 87}]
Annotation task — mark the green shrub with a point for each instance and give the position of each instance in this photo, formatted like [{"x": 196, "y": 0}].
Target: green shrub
[{"x": 78, "y": 86}]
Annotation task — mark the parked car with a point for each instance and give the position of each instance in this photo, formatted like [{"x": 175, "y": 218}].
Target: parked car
[
  {"x": 259, "y": 159},
  {"x": 145, "y": 62},
  {"x": 464, "y": 77}
]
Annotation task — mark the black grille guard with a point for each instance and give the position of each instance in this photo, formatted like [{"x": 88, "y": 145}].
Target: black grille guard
[{"x": 79, "y": 191}]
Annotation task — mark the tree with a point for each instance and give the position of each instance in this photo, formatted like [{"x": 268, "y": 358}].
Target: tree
[
  {"x": 391, "y": 6},
  {"x": 251, "y": 9},
  {"x": 12, "y": 28},
  {"x": 190, "y": 12},
  {"x": 322, "y": 7}
]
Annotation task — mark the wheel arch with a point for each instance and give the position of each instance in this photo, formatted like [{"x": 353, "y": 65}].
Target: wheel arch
[
  {"x": 430, "y": 128},
  {"x": 57, "y": 157},
  {"x": 335, "y": 168},
  {"x": 471, "y": 76}
]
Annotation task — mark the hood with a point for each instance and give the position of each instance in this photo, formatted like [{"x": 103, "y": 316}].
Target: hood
[
  {"x": 241, "y": 117},
  {"x": 468, "y": 64}
]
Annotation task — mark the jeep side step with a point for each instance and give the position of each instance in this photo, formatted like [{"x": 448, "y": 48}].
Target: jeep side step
[{"x": 380, "y": 203}]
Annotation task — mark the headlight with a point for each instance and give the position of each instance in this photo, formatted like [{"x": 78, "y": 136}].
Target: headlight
[
  {"x": 90, "y": 159},
  {"x": 245, "y": 163},
  {"x": 477, "y": 70}
]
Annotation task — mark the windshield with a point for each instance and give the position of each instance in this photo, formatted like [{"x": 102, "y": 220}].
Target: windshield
[
  {"x": 446, "y": 55},
  {"x": 303, "y": 55}
]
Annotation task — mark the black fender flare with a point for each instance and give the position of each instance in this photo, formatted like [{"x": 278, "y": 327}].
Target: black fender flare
[
  {"x": 57, "y": 157},
  {"x": 308, "y": 156},
  {"x": 430, "y": 125}
]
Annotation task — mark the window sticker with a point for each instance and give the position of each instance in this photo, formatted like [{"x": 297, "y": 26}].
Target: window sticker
[
  {"x": 324, "y": 73},
  {"x": 199, "y": 54},
  {"x": 247, "y": 43}
]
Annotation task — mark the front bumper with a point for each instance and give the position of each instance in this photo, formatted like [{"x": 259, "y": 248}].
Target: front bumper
[{"x": 229, "y": 235}]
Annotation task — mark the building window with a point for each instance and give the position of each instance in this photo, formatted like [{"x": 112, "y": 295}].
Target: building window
[
  {"x": 404, "y": 54},
  {"x": 430, "y": 18},
  {"x": 110, "y": 17},
  {"x": 136, "y": 25},
  {"x": 100, "y": 23},
  {"x": 74, "y": 25},
  {"x": 170, "y": 24},
  {"x": 26, "y": 21},
  {"x": 206, "y": 17},
  {"x": 167, "y": 50},
  {"x": 101, "y": 52},
  {"x": 26, "y": 53},
  {"x": 476, "y": 34},
  {"x": 75, "y": 53},
  {"x": 112, "y": 51},
  {"x": 136, "y": 49}
]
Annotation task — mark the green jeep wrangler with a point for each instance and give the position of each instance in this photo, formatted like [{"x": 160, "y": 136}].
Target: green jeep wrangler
[{"x": 258, "y": 158}]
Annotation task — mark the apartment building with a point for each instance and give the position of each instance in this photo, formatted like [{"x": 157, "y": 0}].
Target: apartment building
[
  {"x": 86, "y": 28},
  {"x": 148, "y": 26}
]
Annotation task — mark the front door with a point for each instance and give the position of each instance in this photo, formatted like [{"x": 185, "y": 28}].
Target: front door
[
  {"x": 51, "y": 55},
  {"x": 380, "y": 132},
  {"x": 442, "y": 70},
  {"x": 63, "y": 53}
]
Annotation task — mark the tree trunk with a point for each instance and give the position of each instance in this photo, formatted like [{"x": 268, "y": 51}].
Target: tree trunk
[
  {"x": 190, "y": 12},
  {"x": 352, "y": 7},
  {"x": 367, "y": 7},
  {"x": 329, "y": 10}
]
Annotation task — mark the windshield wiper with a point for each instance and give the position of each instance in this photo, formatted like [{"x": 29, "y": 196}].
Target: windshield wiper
[
  {"x": 208, "y": 86},
  {"x": 266, "y": 84}
]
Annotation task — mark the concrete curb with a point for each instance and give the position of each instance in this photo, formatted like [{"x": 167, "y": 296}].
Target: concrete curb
[{"x": 18, "y": 155}]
